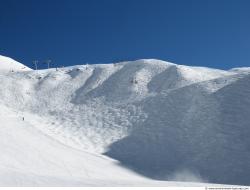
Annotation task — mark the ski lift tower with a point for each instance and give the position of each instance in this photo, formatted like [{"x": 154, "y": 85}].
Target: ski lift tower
[
  {"x": 35, "y": 62},
  {"x": 48, "y": 62}
]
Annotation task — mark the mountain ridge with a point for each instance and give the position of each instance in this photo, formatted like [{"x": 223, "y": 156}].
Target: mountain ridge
[{"x": 157, "y": 118}]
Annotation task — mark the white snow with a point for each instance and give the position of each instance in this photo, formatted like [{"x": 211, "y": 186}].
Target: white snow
[
  {"x": 130, "y": 123},
  {"x": 29, "y": 157},
  {"x": 241, "y": 70},
  {"x": 10, "y": 65}
]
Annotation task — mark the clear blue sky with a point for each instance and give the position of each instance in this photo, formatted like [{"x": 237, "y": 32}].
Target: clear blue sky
[{"x": 212, "y": 33}]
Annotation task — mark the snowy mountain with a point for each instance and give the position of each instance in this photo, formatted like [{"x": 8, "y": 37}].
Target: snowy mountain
[
  {"x": 9, "y": 65},
  {"x": 146, "y": 122}
]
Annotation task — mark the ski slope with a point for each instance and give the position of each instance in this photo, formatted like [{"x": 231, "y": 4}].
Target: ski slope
[
  {"x": 29, "y": 157},
  {"x": 146, "y": 122},
  {"x": 10, "y": 65}
]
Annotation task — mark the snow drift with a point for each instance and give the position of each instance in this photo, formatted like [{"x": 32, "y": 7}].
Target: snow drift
[{"x": 161, "y": 120}]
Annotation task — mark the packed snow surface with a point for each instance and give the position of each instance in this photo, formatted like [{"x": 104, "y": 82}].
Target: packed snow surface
[{"x": 144, "y": 122}]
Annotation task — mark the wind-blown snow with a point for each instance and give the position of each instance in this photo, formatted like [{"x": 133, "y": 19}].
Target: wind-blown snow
[{"x": 161, "y": 120}]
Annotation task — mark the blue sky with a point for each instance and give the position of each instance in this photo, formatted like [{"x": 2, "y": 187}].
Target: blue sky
[{"x": 212, "y": 33}]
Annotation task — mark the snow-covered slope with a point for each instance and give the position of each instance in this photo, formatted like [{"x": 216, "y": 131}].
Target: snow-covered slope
[
  {"x": 29, "y": 157},
  {"x": 241, "y": 70},
  {"x": 161, "y": 120},
  {"x": 9, "y": 65}
]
